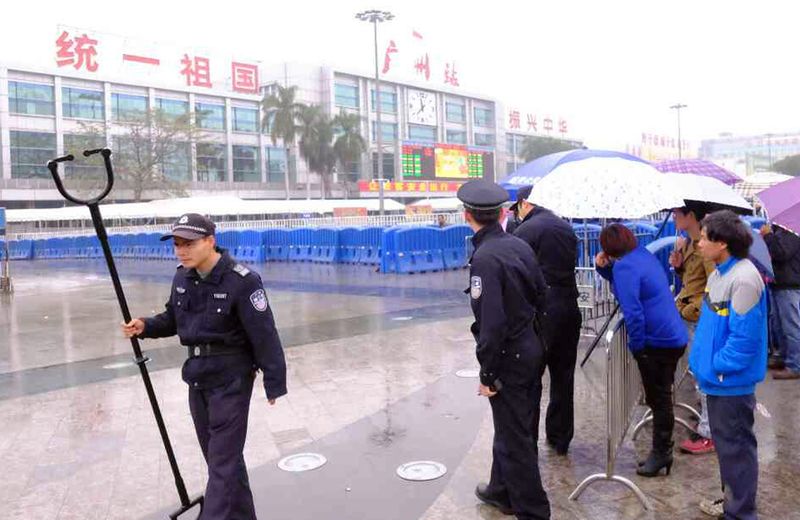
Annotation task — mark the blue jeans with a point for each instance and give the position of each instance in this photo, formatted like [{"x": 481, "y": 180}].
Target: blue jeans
[
  {"x": 731, "y": 419},
  {"x": 786, "y": 326}
]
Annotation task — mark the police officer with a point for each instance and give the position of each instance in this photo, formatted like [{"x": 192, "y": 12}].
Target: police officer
[
  {"x": 556, "y": 248},
  {"x": 220, "y": 311},
  {"x": 507, "y": 289}
]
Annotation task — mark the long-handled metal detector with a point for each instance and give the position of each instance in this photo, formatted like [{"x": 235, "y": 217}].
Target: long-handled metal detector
[{"x": 140, "y": 360}]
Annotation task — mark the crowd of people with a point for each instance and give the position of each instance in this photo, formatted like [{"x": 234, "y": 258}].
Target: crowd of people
[
  {"x": 729, "y": 314},
  {"x": 523, "y": 295}
]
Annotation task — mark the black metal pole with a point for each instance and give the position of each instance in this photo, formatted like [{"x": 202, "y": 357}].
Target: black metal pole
[{"x": 140, "y": 360}]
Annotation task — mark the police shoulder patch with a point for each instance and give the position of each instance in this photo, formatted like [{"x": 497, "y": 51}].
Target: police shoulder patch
[
  {"x": 241, "y": 270},
  {"x": 475, "y": 287},
  {"x": 259, "y": 300}
]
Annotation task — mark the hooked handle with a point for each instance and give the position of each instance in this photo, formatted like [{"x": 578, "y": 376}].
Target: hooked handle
[{"x": 53, "y": 167}]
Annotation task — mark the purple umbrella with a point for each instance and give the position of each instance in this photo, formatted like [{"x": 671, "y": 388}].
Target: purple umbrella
[
  {"x": 782, "y": 203},
  {"x": 698, "y": 167}
]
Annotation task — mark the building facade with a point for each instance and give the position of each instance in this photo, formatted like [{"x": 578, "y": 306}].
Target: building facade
[
  {"x": 749, "y": 154},
  {"x": 434, "y": 136}
]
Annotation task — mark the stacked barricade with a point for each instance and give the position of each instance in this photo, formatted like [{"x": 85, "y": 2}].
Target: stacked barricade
[
  {"x": 454, "y": 248},
  {"x": 276, "y": 245}
]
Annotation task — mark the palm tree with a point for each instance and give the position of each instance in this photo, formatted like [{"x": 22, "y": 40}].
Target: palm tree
[
  {"x": 316, "y": 145},
  {"x": 349, "y": 143},
  {"x": 281, "y": 112}
]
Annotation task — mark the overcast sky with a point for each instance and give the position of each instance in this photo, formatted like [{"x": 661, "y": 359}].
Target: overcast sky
[{"x": 614, "y": 67}]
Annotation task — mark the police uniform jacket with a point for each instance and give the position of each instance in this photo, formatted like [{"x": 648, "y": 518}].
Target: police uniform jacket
[
  {"x": 229, "y": 312},
  {"x": 506, "y": 291},
  {"x": 555, "y": 245}
]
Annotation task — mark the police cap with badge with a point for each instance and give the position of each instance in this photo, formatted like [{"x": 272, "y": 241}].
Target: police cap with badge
[
  {"x": 191, "y": 226},
  {"x": 482, "y": 195}
]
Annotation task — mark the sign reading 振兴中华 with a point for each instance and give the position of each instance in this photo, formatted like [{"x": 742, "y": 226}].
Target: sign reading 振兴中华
[{"x": 530, "y": 122}]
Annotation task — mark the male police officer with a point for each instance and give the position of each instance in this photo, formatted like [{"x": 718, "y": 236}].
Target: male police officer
[
  {"x": 220, "y": 311},
  {"x": 506, "y": 290},
  {"x": 556, "y": 248}
]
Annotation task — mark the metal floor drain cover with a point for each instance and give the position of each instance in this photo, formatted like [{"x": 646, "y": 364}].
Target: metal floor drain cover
[
  {"x": 302, "y": 462},
  {"x": 421, "y": 470},
  {"x": 468, "y": 372}
]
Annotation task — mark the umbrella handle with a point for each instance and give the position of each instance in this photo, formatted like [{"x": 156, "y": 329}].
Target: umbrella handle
[{"x": 53, "y": 167}]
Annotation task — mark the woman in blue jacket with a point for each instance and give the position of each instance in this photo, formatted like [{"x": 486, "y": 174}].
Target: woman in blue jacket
[{"x": 657, "y": 336}]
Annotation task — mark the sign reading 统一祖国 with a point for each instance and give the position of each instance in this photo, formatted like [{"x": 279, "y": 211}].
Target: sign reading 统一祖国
[{"x": 91, "y": 54}]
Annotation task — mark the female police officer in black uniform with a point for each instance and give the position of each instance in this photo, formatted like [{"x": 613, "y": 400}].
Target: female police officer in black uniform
[
  {"x": 220, "y": 311},
  {"x": 507, "y": 289}
]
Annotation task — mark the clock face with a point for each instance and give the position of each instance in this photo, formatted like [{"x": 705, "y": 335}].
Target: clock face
[{"x": 421, "y": 107}]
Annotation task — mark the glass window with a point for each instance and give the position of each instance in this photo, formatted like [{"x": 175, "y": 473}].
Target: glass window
[
  {"x": 84, "y": 167},
  {"x": 347, "y": 95},
  {"x": 422, "y": 133},
  {"x": 484, "y": 139},
  {"x": 83, "y": 104},
  {"x": 210, "y": 117},
  {"x": 244, "y": 119},
  {"x": 389, "y": 132},
  {"x": 246, "y": 167},
  {"x": 484, "y": 117},
  {"x": 177, "y": 163},
  {"x": 127, "y": 107},
  {"x": 388, "y": 165},
  {"x": 455, "y": 112},
  {"x": 276, "y": 164},
  {"x": 388, "y": 101},
  {"x": 511, "y": 167},
  {"x": 30, "y": 152},
  {"x": 31, "y": 99},
  {"x": 172, "y": 108},
  {"x": 456, "y": 137},
  {"x": 212, "y": 165}
]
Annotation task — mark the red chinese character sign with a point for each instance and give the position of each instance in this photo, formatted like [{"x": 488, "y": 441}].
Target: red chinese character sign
[
  {"x": 531, "y": 123},
  {"x": 244, "y": 78},
  {"x": 387, "y": 58},
  {"x": 80, "y": 52},
  {"x": 197, "y": 71},
  {"x": 409, "y": 55}
]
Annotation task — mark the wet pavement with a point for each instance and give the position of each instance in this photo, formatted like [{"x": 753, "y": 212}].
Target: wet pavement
[{"x": 372, "y": 361}]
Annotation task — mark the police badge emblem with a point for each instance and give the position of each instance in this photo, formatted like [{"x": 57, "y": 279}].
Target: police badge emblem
[
  {"x": 259, "y": 300},
  {"x": 475, "y": 287}
]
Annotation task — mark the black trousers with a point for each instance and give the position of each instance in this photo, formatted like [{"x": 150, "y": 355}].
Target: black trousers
[
  {"x": 657, "y": 368},
  {"x": 515, "y": 476},
  {"x": 220, "y": 420},
  {"x": 562, "y": 332}
]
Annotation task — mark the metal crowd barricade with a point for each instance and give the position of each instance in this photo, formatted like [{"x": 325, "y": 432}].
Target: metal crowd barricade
[
  {"x": 595, "y": 299},
  {"x": 623, "y": 393}
]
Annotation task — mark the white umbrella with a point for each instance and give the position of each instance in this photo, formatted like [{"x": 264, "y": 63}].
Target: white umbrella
[
  {"x": 605, "y": 187},
  {"x": 700, "y": 188}
]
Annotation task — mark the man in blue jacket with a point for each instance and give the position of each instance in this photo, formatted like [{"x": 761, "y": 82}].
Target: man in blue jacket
[{"x": 729, "y": 358}]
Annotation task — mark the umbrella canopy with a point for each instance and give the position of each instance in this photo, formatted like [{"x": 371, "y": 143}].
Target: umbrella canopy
[
  {"x": 708, "y": 190},
  {"x": 605, "y": 185},
  {"x": 759, "y": 254},
  {"x": 782, "y": 203},
  {"x": 532, "y": 172},
  {"x": 698, "y": 167}
]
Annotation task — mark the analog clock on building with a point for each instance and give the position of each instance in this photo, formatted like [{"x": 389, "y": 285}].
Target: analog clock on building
[{"x": 421, "y": 107}]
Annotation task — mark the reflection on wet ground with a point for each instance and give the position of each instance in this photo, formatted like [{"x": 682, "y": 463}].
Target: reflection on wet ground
[{"x": 371, "y": 360}]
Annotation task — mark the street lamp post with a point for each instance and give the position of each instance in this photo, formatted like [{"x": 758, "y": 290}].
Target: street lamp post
[
  {"x": 375, "y": 17},
  {"x": 677, "y": 108}
]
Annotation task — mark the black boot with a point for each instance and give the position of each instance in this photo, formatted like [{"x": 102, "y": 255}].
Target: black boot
[
  {"x": 660, "y": 456},
  {"x": 652, "y": 466},
  {"x": 499, "y": 503}
]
